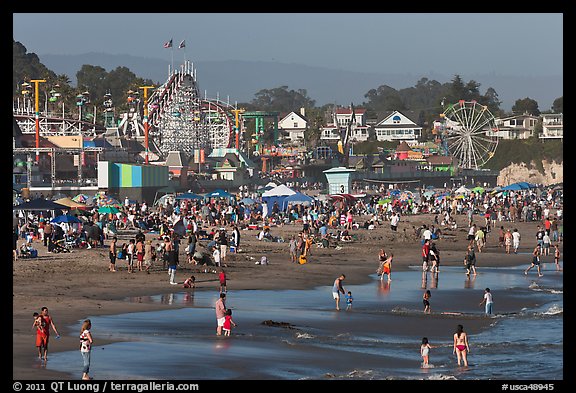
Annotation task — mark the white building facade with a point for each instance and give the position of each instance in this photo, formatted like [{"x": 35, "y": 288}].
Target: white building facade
[
  {"x": 552, "y": 126},
  {"x": 397, "y": 127},
  {"x": 295, "y": 124}
]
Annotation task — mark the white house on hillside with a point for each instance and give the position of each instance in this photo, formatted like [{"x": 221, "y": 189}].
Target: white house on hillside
[
  {"x": 515, "y": 127},
  {"x": 344, "y": 116},
  {"x": 294, "y": 124},
  {"x": 552, "y": 126},
  {"x": 397, "y": 126}
]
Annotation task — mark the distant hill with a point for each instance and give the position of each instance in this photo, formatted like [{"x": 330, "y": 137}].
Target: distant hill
[{"x": 240, "y": 80}]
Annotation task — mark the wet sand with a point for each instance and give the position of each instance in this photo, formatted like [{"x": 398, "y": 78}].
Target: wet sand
[{"x": 78, "y": 285}]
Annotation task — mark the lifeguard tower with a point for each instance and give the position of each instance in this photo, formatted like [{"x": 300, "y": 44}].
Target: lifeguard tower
[{"x": 339, "y": 180}]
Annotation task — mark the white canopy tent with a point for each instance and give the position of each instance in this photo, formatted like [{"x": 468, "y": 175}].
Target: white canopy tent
[
  {"x": 281, "y": 190},
  {"x": 462, "y": 190}
]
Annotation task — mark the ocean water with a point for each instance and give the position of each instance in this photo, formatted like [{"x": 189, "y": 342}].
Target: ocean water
[{"x": 379, "y": 338}]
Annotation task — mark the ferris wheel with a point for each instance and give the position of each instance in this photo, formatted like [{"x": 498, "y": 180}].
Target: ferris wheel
[{"x": 469, "y": 133}]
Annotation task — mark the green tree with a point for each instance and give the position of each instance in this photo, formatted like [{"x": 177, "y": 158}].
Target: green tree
[
  {"x": 558, "y": 105},
  {"x": 526, "y": 105},
  {"x": 283, "y": 100},
  {"x": 26, "y": 66}
]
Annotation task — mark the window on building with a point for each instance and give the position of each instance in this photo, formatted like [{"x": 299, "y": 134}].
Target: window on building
[{"x": 295, "y": 125}]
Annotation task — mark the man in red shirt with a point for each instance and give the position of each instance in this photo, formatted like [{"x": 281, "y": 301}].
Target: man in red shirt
[
  {"x": 44, "y": 336},
  {"x": 425, "y": 255}
]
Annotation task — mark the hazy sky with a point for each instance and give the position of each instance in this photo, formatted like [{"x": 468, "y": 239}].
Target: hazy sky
[{"x": 414, "y": 43}]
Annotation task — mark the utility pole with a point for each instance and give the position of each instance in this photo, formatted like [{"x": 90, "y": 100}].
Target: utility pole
[{"x": 237, "y": 126}]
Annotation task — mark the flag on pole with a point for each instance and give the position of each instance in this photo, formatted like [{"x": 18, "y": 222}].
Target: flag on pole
[
  {"x": 168, "y": 44},
  {"x": 182, "y": 44}
]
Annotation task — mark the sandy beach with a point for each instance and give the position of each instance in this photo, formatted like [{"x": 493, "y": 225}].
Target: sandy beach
[{"x": 78, "y": 285}]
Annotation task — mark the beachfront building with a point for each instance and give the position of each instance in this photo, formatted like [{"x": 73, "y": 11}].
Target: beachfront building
[
  {"x": 515, "y": 127},
  {"x": 552, "y": 126},
  {"x": 397, "y": 126},
  {"x": 294, "y": 124}
]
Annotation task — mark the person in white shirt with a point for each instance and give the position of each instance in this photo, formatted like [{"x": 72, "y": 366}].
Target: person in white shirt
[
  {"x": 394, "y": 221},
  {"x": 488, "y": 300},
  {"x": 427, "y": 234},
  {"x": 515, "y": 240}
]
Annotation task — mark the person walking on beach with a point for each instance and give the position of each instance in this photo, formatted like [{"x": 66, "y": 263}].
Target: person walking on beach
[
  {"x": 293, "y": 249},
  {"x": 40, "y": 337},
  {"x": 515, "y": 240},
  {"x": 220, "y": 313},
  {"x": 222, "y": 279},
  {"x": 488, "y": 300},
  {"x": 425, "y": 352},
  {"x": 557, "y": 257},
  {"x": 425, "y": 255},
  {"x": 426, "y": 301},
  {"x": 47, "y": 323},
  {"x": 172, "y": 262},
  {"x": 470, "y": 260},
  {"x": 130, "y": 255},
  {"x": 461, "y": 348},
  {"x": 546, "y": 244},
  {"x": 435, "y": 258},
  {"x": 112, "y": 254},
  {"x": 86, "y": 347},
  {"x": 507, "y": 240},
  {"x": 535, "y": 260},
  {"x": 148, "y": 255},
  {"x": 337, "y": 288}
]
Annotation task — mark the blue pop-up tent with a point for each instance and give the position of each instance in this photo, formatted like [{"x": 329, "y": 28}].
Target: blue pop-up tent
[
  {"x": 297, "y": 198},
  {"x": 277, "y": 194}
]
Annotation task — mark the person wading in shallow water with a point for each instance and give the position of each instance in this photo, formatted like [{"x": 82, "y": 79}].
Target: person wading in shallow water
[
  {"x": 220, "y": 312},
  {"x": 461, "y": 348},
  {"x": 337, "y": 288}
]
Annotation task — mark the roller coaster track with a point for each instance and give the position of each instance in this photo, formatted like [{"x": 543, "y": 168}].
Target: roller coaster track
[{"x": 180, "y": 119}]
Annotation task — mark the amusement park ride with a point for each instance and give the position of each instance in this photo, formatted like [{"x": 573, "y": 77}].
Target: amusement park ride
[
  {"x": 175, "y": 117},
  {"x": 468, "y": 132}
]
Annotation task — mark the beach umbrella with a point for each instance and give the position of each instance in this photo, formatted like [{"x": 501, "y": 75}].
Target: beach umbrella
[
  {"x": 384, "y": 201},
  {"x": 247, "y": 201},
  {"x": 462, "y": 190},
  {"x": 478, "y": 189},
  {"x": 429, "y": 193},
  {"x": 70, "y": 203},
  {"x": 40, "y": 204},
  {"x": 108, "y": 209},
  {"x": 65, "y": 218},
  {"x": 80, "y": 198}
]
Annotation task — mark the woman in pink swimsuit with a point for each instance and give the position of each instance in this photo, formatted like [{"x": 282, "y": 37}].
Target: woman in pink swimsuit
[{"x": 461, "y": 348}]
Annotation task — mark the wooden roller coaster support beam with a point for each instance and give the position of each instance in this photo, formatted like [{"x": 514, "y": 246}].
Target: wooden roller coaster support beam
[
  {"x": 145, "y": 88},
  {"x": 37, "y": 114}
]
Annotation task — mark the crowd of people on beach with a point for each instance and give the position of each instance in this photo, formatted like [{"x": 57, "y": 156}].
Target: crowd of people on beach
[{"x": 155, "y": 236}]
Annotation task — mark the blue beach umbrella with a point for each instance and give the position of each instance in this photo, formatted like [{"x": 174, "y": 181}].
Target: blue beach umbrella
[{"x": 65, "y": 218}]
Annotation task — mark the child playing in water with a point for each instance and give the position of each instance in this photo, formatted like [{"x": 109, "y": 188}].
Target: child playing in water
[
  {"x": 228, "y": 322},
  {"x": 190, "y": 282},
  {"x": 424, "y": 351},
  {"x": 349, "y": 300},
  {"x": 426, "y": 301}
]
